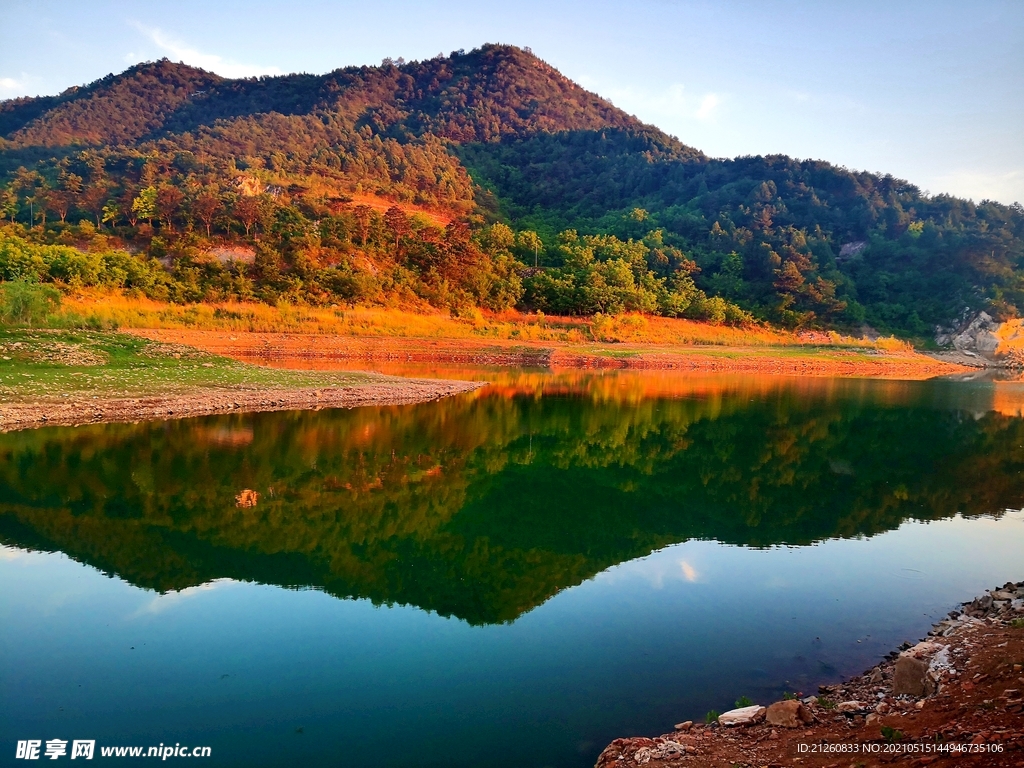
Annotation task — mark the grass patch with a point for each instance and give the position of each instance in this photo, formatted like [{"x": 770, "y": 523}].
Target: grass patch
[
  {"x": 42, "y": 365},
  {"x": 113, "y": 310},
  {"x": 891, "y": 734}
]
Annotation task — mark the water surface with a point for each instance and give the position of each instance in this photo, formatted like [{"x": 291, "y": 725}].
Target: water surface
[{"x": 510, "y": 577}]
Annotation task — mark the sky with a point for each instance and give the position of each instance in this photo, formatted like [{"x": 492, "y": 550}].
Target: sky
[{"x": 931, "y": 92}]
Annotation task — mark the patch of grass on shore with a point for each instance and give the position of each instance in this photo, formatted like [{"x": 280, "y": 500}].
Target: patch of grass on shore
[{"x": 42, "y": 365}]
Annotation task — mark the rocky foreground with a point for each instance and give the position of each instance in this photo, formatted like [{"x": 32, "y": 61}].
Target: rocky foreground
[{"x": 953, "y": 699}]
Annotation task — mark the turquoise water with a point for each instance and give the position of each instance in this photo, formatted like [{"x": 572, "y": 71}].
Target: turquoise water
[{"x": 509, "y": 578}]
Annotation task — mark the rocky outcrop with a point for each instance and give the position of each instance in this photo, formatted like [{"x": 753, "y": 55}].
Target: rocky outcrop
[
  {"x": 981, "y": 340},
  {"x": 742, "y": 716},
  {"x": 788, "y": 714},
  {"x": 974, "y": 335}
]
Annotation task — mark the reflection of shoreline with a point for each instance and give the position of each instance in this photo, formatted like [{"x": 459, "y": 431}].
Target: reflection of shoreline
[
  {"x": 484, "y": 505},
  {"x": 996, "y": 390}
]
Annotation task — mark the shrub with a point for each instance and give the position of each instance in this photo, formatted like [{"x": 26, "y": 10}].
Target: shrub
[{"x": 25, "y": 302}]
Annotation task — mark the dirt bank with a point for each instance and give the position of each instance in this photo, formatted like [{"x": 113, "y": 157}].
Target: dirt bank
[
  {"x": 803, "y": 361},
  {"x": 951, "y": 700},
  {"x": 78, "y": 409}
]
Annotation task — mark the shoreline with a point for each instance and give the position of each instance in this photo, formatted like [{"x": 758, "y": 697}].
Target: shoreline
[
  {"x": 793, "y": 360},
  {"x": 953, "y": 699},
  {"x": 78, "y": 410}
]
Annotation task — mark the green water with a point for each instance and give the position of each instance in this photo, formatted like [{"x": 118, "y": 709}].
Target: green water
[{"x": 471, "y": 582}]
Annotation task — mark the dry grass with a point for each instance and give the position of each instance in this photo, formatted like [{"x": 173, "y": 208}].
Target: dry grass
[{"x": 109, "y": 310}]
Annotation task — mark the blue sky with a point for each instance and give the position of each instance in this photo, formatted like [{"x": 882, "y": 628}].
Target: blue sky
[{"x": 928, "y": 91}]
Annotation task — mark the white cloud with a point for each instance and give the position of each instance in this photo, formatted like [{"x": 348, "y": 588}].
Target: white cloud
[
  {"x": 167, "y": 600},
  {"x": 10, "y": 87},
  {"x": 689, "y": 572},
  {"x": 179, "y": 51},
  {"x": 9, "y": 553},
  {"x": 668, "y": 108},
  {"x": 708, "y": 105}
]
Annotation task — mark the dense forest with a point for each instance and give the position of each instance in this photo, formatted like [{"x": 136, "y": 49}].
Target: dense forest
[{"x": 481, "y": 179}]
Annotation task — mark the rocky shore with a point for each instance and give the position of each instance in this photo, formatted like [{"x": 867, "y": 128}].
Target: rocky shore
[{"x": 953, "y": 699}]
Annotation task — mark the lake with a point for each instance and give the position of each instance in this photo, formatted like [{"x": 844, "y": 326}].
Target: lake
[{"x": 511, "y": 577}]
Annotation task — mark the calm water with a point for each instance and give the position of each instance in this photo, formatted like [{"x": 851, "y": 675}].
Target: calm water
[{"x": 508, "y": 578}]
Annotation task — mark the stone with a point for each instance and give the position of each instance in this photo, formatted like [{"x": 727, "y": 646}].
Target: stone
[
  {"x": 924, "y": 649},
  {"x": 876, "y": 676},
  {"x": 788, "y": 714},
  {"x": 685, "y": 726},
  {"x": 910, "y": 677},
  {"x": 851, "y": 707},
  {"x": 742, "y": 716}
]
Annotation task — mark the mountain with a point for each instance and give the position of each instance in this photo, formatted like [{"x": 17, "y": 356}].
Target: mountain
[{"x": 549, "y": 197}]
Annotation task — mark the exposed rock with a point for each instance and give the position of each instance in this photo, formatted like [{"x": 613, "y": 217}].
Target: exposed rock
[
  {"x": 684, "y": 726},
  {"x": 659, "y": 750},
  {"x": 923, "y": 650},
  {"x": 849, "y": 250},
  {"x": 742, "y": 716},
  {"x": 981, "y": 337},
  {"x": 788, "y": 714},
  {"x": 851, "y": 707},
  {"x": 910, "y": 677}
]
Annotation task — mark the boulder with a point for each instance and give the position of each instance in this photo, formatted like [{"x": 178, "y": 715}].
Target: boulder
[
  {"x": 924, "y": 649},
  {"x": 910, "y": 677},
  {"x": 684, "y": 726},
  {"x": 788, "y": 714},
  {"x": 851, "y": 707},
  {"x": 742, "y": 716}
]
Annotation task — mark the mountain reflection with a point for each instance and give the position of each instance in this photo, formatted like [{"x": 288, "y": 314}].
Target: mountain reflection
[{"x": 484, "y": 506}]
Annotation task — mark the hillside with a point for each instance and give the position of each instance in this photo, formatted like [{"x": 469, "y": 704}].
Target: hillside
[{"x": 340, "y": 186}]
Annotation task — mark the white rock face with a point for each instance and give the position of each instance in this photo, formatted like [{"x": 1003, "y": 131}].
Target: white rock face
[{"x": 742, "y": 716}]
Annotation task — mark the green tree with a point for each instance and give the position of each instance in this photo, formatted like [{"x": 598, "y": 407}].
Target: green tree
[
  {"x": 530, "y": 242},
  {"x": 110, "y": 213},
  {"x": 145, "y": 203}
]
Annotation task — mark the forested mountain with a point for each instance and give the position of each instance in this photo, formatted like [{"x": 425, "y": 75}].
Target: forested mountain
[{"x": 478, "y": 179}]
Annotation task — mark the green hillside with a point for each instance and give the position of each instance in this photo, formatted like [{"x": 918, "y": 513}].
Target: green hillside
[{"x": 478, "y": 179}]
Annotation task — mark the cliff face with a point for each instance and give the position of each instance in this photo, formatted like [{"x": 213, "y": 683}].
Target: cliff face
[{"x": 985, "y": 341}]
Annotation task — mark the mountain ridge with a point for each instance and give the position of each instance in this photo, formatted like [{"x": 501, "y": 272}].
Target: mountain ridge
[{"x": 496, "y": 138}]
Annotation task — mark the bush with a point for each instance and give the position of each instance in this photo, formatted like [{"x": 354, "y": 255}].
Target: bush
[{"x": 25, "y": 302}]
